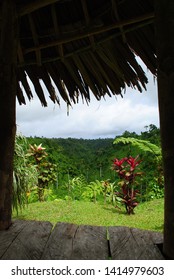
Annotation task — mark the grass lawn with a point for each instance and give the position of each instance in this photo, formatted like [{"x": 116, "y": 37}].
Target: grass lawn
[{"x": 148, "y": 215}]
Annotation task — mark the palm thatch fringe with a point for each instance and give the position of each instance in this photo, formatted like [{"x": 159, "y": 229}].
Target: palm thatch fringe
[{"x": 83, "y": 45}]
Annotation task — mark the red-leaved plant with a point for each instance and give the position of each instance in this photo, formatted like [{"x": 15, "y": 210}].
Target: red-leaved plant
[{"x": 125, "y": 168}]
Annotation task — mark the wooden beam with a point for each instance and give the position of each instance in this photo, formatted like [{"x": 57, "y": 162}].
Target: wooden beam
[
  {"x": 115, "y": 10},
  {"x": 90, "y": 31},
  {"x": 8, "y": 62},
  {"x": 57, "y": 30},
  {"x": 34, "y": 5},
  {"x": 87, "y": 19},
  {"x": 35, "y": 39},
  {"x": 164, "y": 26},
  {"x": 87, "y": 47},
  {"x": 20, "y": 53}
]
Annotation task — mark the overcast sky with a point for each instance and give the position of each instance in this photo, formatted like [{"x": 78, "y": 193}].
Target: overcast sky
[{"x": 101, "y": 119}]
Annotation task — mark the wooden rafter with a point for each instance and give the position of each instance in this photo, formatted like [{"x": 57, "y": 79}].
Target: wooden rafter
[
  {"x": 89, "y": 32},
  {"x": 20, "y": 53},
  {"x": 88, "y": 47},
  {"x": 34, "y": 5},
  {"x": 57, "y": 30},
  {"x": 87, "y": 19},
  {"x": 115, "y": 10},
  {"x": 35, "y": 39}
]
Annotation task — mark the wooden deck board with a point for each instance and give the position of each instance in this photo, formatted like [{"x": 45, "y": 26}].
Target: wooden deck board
[
  {"x": 90, "y": 243},
  {"x": 34, "y": 240},
  {"x": 133, "y": 244},
  {"x": 7, "y": 236},
  {"x": 74, "y": 242},
  {"x": 30, "y": 242},
  {"x": 60, "y": 242}
]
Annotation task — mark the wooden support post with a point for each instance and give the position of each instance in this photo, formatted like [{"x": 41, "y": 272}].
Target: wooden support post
[
  {"x": 164, "y": 23},
  {"x": 8, "y": 56}
]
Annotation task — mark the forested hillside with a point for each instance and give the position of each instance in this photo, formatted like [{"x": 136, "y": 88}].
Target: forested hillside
[{"x": 93, "y": 158}]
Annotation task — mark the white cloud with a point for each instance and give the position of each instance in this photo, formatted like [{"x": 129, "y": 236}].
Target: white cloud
[{"x": 100, "y": 119}]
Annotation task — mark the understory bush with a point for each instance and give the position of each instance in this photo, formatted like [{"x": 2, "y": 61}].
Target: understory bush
[
  {"x": 24, "y": 175},
  {"x": 46, "y": 170},
  {"x": 125, "y": 169},
  {"x": 154, "y": 191}
]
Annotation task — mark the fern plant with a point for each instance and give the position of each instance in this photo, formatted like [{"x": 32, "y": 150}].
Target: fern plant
[{"x": 143, "y": 145}]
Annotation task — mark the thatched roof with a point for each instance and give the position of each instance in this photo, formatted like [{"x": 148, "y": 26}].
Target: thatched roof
[{"x": 82, "y": 45}]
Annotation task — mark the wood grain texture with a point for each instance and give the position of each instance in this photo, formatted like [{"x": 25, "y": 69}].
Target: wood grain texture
[
  {"x": 75, "y": 242},
  {"x": 90, "y": 243},
  {"x": 29, "y": 244},
  {"x": 8, "y": 236},
  {"x": 60, "y": 244},
  {"x": 34, "y": 240},
  {"x": 132, "y": 244}
]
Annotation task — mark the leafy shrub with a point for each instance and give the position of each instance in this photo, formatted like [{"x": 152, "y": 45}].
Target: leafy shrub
[
  {"x": 125, "y": 169},
  {"x": 109, "y": 191},
  {"x": 32, "y": 195},
  {"x": 50, "y": 194},
  {"x": 93, "y": 190},
  {"x": 154, "y": 191},
  {"x": 76, "y": 187},
  {"x": 24, "y": 174},
  {"x": 46, "y": 170}
]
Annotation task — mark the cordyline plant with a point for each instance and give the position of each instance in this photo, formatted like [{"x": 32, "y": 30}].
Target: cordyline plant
[
  {"x": 125, "y": 168},
  {"x": 46, "y": 170}
]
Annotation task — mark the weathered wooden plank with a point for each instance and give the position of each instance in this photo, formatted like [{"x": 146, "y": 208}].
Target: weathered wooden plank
[
  {"x": 74, "y": 242},
  {"x": 7, "y": 236},
  {"x": 132, "y": 244},
  {"x": 149, "y": 241},
  {"x": 60, "y": 243},
  {"x": 34, "y": 240},
  {"x": 156, "y": 237},
  {"x": 30, "y": 242},
  {"x": 90, "y": 243}
]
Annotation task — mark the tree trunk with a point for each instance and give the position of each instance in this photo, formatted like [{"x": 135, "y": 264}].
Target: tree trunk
[
  {"x": 8, "y": 56},
  {"x": 164, "y": 15}
]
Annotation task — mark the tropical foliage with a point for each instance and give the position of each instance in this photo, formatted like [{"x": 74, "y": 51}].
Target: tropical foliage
[
  {"x": 79, "y": 169},
  {"x": 93, "y": 190},
  {"x": 46, "y": 170},
  {"x": 24, "y": 176},
  {"x": 143, "y": 145},
  {"x": 153, "y": 170},
  {"x": 125, "y": 169}
]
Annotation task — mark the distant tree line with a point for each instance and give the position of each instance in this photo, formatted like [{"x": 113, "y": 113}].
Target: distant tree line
[{"x": 93, "y": 158}]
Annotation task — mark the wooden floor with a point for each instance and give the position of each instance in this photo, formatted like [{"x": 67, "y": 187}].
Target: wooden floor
[{"x": 33, "y": 240}]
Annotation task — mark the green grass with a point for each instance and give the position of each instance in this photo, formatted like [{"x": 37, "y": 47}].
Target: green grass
[{"x": 148, "y": 215}]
